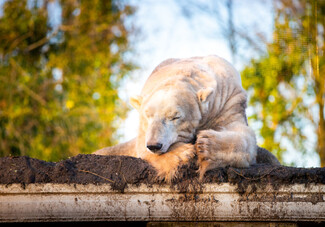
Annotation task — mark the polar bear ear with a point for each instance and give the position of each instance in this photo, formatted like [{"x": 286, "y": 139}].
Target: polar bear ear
[
  {"x": 136, "y": 101},
  {"x": 204, "y": 93}
]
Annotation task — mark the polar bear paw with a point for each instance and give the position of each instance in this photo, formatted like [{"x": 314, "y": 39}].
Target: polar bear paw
[{"x": 211, "y": 151}]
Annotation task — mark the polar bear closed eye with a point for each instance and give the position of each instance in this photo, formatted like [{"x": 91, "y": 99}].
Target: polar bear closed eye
[
  {"x": 168, "y": 119},
  {"x": 184, "y": 99}
]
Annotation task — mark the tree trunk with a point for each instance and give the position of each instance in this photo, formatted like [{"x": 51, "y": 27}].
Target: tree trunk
[
  {"x": 319, "y": 84},
  {"x": 321, "y": 136}
]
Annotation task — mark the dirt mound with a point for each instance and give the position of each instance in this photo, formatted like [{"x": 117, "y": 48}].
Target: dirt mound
[{"x": 119, "y": 171}]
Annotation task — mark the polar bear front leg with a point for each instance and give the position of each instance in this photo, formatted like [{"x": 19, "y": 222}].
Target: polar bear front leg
[
  {"x": 231, "y": 147},
  {"x": 167, "y": 164}
]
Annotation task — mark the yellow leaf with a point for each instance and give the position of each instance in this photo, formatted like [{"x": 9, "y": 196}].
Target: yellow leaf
[{"x": 69, "y": 104}]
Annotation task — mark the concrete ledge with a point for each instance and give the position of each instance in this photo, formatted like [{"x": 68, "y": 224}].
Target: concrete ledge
[{"x": 215, "y": 202}]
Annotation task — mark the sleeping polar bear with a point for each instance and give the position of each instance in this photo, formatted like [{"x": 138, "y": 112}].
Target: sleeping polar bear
[{"x": 199, "y": 100}]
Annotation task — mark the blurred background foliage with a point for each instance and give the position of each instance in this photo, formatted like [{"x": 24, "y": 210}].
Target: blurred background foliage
[
  {"x": 62, "y": 64},
  {"x": 59, "y": 76},
  {"x": 287, "y": 83}
]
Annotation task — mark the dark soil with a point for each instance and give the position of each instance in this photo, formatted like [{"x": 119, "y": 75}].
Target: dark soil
[
  {"x": 119, "y": 171},
  {"x": 81, "y": 169}
]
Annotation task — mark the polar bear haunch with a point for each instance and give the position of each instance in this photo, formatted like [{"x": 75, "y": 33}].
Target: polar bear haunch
[{"x": 186, "y": 99}]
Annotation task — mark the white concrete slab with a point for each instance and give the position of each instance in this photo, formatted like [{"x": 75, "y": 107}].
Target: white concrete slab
[{"x": 61, "y": 202}]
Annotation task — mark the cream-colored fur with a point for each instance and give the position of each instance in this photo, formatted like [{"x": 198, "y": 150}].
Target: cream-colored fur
[{"x": 184, "y": 100}]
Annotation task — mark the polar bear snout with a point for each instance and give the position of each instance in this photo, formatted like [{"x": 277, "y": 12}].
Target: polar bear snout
[
  {"x": 155, "y": 147},
  {"x": 159, "y": 136}
]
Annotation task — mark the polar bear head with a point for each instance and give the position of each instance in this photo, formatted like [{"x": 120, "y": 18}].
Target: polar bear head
[{"x": 171, "y": 115}]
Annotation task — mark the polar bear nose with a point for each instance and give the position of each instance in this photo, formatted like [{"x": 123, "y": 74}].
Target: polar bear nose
[{"x": 154, "y": 147}]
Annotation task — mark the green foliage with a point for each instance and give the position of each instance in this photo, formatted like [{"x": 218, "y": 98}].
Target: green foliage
[
  {"x": 285, "y": 85},
  {"x": 58, "y": 81}
]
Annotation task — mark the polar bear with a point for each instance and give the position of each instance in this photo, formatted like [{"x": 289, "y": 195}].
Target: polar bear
[{"x": 192, "y": 107}]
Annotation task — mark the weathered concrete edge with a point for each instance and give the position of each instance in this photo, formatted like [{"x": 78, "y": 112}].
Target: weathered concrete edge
[{"x": 216, "y": 202}]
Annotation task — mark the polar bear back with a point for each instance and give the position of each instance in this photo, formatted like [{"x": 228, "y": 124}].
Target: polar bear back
[{"x": 207, "y": 70}]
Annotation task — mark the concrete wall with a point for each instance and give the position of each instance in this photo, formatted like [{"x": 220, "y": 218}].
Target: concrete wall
[{"x": 62, "y": 202}]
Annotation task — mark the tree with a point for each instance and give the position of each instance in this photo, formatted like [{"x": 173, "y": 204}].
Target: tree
[
  {"x": 61, "y": 63},
  {"x": 287, "y": 84}
]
